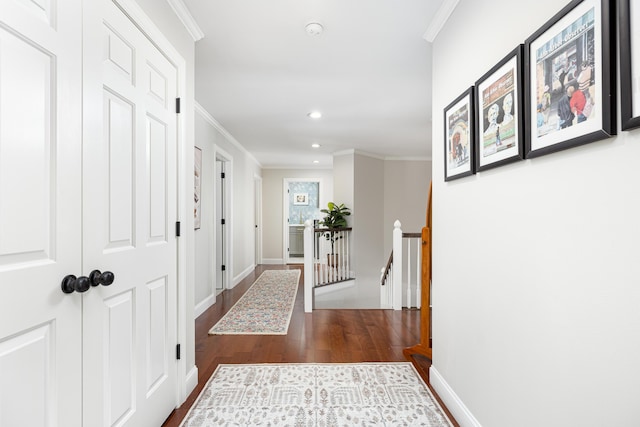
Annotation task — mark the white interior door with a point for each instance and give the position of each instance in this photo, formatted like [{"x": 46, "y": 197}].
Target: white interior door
[
  {"x": 40, "y": 223},
  {"x": 129, "y": 341},
  {"x": 220, "y": 226}
]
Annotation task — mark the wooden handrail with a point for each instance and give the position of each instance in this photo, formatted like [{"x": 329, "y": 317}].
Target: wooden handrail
[
  {"x": 387, "y": 269},
  {"x": 411, "y": 235},
  {"x": 424, "y": 346},
  {"x": 325, "y": 229}
]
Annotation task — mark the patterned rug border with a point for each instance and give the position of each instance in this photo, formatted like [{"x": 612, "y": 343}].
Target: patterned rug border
[
  {"x": 286, "y": 328},
  {"x": 247, "y": 365}
]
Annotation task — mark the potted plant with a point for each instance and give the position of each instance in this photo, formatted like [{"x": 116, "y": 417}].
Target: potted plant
[{"x": 335, "y": 218}]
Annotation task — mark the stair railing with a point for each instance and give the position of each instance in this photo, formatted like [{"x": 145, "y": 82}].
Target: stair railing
[
  {"x": 327, "y": 258},
  {"x": 400, "y": 281}
]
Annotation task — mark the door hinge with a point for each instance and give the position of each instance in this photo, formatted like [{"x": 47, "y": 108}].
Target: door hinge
[
  {"x": 222, "y": 221},
  {"x": 177, "y": 105},
  {"x": 224, "y": 267},
  {"x": 178, "y": 351},
  {"x": 222, "y": 175},
  {"x": 177, "y": 228}
]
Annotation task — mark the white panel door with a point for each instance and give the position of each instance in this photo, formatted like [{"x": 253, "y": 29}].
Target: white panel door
[
  {"x": 40, "y": 223},
  {"x": 220, "y": 227},
  {"x": 130, "y": 366}
]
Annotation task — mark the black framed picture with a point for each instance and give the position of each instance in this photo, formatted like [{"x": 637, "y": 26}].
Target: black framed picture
[
  {"x": 458, "y": 137},
  {"x": 569, "y": 77},
  {"x": 499, "y": 117},
  {"x": 629, "y": 25}
]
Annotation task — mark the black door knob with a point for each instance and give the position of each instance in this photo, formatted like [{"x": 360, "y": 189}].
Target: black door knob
[
  {"x": 72, "y": 283},
  {"x": 98, "y": 278}
]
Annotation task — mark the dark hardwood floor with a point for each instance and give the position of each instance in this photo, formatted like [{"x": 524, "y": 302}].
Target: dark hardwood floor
[{"x": 338, "y": 336}]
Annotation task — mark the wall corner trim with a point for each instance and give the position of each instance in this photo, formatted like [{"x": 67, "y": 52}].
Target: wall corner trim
[
  {"x": 440, "y": 18},
  {"x": 182, "y": 12},
  {"x": 204, "y": 305},
  {"x": 213, "y": 122},
  {"x": 191, "y": 380},
  {"x": 243, "y": 274},
  {"x": 460, "y": 412}
]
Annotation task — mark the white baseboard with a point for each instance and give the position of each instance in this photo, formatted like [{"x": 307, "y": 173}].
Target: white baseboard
[
  {"x": 460, "y": 412},
  {"x": 202, "y": 306},
  {"x": 243, "y": 274},
  {"x": 191, "y": 379},
  {"x": 323, "y": 290},
  {"x": 273, "y": 261}
]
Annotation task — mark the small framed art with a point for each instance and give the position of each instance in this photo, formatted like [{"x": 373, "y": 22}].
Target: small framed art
[
  {"x": 499, "y": 118},
  {"x": 570, "y": 86},
  {"x": 458, "y": 139},
  {"x": 629, "y": 25},
  {"x": 197, "y": 189},
  {"x": 301, "y": 199}
]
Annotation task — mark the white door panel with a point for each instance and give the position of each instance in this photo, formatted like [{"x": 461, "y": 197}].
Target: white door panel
[
  {"x": 130, "y": 210},
  {"x": 40, "y": 205}
]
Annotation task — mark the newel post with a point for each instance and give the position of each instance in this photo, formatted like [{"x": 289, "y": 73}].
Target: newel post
[
  {"x": 308, "y": 266},
  {"x": 397, "y": 266}
]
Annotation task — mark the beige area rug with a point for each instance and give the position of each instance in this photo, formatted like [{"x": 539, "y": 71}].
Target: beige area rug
[
  {"x": 341, "y": 394},
  {"x": 266, "y": 307}
]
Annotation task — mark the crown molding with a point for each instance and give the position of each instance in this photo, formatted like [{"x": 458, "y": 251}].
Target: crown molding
[
  {"x": 213, "y": 122},
  {"x": 344, "y": 152},
  {"x": 409, "y": 159},
  {"x": 367, "y": 154},
  {"x": 182, "y": 12},
  {"x": 440, "y": 18}
]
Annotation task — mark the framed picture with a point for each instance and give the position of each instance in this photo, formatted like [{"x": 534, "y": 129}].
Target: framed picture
[
  {"x": 629, "y": 25},
  {"x": 499, "y": 118},
  {"x": 570, "y": 85},
  {"x": 197, "y": 189},
  {"x": 301, "y": 199},
  {"x": 459, "y": 137}
]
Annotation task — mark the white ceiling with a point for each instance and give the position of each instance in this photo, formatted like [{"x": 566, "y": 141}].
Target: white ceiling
[{"x": 259, "y": 73}]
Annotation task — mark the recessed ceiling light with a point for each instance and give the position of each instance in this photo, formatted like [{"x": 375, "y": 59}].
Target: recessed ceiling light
[
  {"x": 315, "y": 114},
  {"x": 315, "y": 145},
  {"x": 314, "y": 29},
  {"x": 316, "y": 161}
]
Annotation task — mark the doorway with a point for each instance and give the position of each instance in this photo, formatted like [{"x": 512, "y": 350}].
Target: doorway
[
  {"x": 220, "y": 226},
  {"x": 257, "y": 185},
  {"x": 222, "y": 218},
  {"x": 301, "y": 203}
]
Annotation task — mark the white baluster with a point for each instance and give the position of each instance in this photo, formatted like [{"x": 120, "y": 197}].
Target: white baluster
[
  {"x": 308, "y": 266},
  {"x": 397, "y": 266},
  {"x": 419, "y": 274},
  {"x": 409, "y": 273},
  {"x": 316, "y": 269},
  {"x": 348, "y": 261}
]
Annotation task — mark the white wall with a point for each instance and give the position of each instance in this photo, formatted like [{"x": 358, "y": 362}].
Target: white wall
[
  {"x": 367, "y": 221},
  {"x": 212, "y": 139},
  {"x": 535, "y": 264},
  {"x": 244, "y": 169},
  {"x": 273, "y": 202},
  {"x": 406, "y": 190},
  {"x": 204, "y": 238}
]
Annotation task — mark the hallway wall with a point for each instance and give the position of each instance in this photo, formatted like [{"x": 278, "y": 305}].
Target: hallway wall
[
  {"x": 406, "y": 191},
  {"x": 210, "y": 138},
  {"x": 535, "y": 272}
]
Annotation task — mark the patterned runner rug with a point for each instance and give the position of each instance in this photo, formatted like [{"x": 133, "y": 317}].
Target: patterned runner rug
[
  {"x": 380, "y": 394},
  {"x": 266, "y": 307}
]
